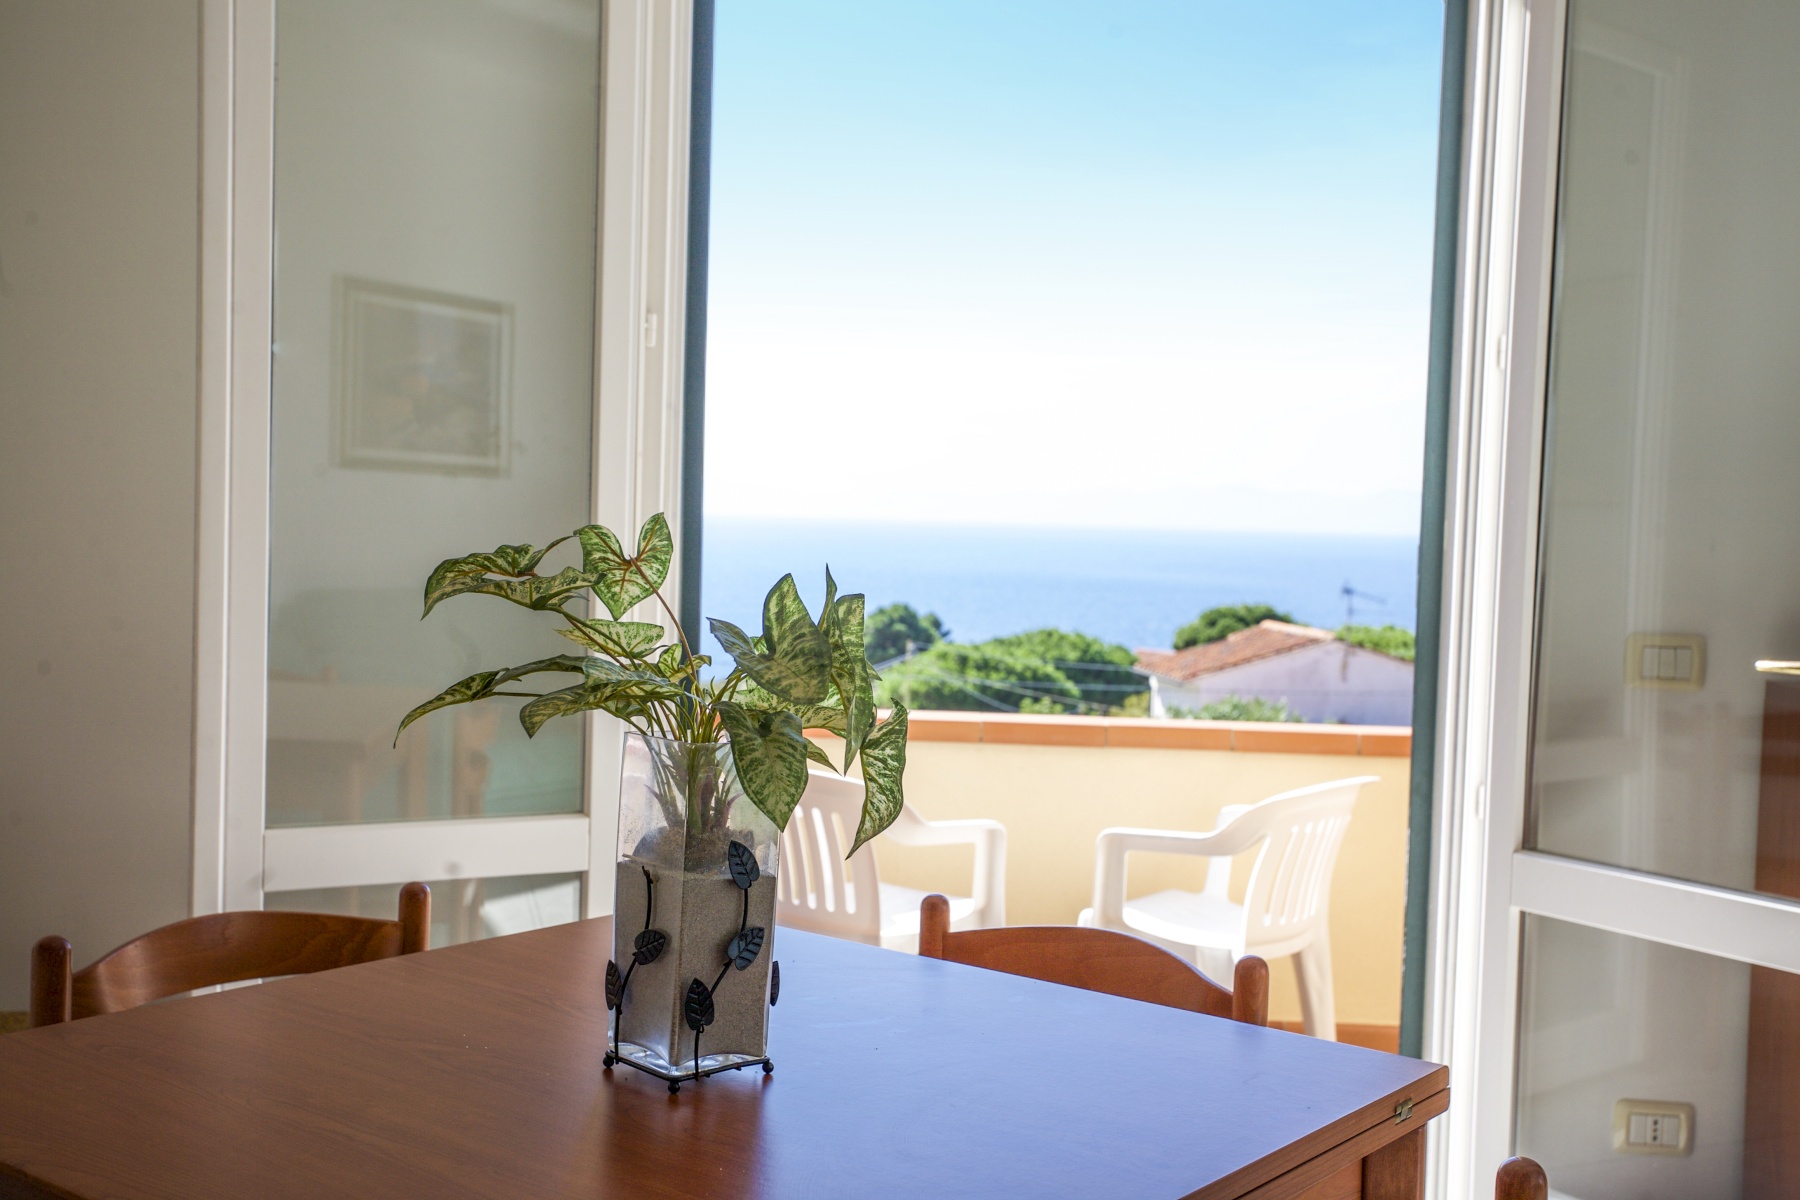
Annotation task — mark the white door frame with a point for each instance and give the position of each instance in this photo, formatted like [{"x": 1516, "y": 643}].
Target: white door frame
[
  {"x": 1484, "y": 883},
  {"x": 641, "y": 292}
]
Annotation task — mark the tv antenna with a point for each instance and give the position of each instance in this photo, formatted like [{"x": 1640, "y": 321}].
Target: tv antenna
[{"x": 1351, "y": 596}]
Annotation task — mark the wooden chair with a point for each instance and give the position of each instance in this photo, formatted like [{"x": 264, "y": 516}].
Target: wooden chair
[
  {"x": 221, "y": 948},
  {"x": 1521, "y": 1179},
  {"x": 1098, "y": 960}
]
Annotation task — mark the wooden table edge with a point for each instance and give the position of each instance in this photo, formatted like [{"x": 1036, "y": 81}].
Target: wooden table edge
[{"x": 1319, "y": 1168}]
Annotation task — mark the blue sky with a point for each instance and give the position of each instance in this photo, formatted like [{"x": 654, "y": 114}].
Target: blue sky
[{"x": 1127, "y": 265}]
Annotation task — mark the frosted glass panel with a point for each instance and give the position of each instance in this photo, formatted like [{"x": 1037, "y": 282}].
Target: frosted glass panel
[
  {"x": 435, "y": 191},
  {"x": 462, "y": 910},
  {"x": 1606, "y": 1018},
  {"x": 1671, "y": 561}
]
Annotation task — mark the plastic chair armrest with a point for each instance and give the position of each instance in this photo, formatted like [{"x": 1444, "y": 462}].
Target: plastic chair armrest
[
  {"x": 988, "y": 838},
  {"x": 1114, "y": 844}
]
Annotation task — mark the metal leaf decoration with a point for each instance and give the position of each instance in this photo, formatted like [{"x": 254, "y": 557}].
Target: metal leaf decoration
[
  {"x": 649, "y": 946},
  {"x": 774, "y": 983},
  {"x": 699, "y": 1006},
  {"x": 744, "y": 871},
  {"x": 745, "y": 947},
  {"x": 615, "y": 985}
]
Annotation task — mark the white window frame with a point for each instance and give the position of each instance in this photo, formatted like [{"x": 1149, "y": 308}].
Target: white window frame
[
  {"x": 639, "y": 335},
  {"x": 1484, "y": 882}
]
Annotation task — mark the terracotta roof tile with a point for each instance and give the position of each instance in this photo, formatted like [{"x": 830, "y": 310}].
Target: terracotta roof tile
[{"x": 1263, "y": 640}]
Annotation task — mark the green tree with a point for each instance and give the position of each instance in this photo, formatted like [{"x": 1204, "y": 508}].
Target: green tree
[
  {"x": 890, "y": 632},
  {"x": 978, "y": 678},
  {"x": 1389, "y": 639},
  {"x": 1240, "y": 708},
  {"x": 1101, "y": 671},
  {"x": 1218, "y": 623}
]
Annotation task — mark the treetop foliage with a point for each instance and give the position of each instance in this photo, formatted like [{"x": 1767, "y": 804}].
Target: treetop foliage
[
  {"x": 1388, "y": 639},
  {"x": 1216, "y": 624},
  {"x": 894, "y": 630}
]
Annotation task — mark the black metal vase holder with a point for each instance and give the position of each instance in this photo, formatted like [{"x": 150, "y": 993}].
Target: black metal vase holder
[{"x": 698, "y": 1009}]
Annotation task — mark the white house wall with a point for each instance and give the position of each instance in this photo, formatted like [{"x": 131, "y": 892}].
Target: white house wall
[{"x": 1328, "y": 681}]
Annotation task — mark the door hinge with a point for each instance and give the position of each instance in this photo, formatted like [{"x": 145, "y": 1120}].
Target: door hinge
[{"x": 1403, "y": 1112}]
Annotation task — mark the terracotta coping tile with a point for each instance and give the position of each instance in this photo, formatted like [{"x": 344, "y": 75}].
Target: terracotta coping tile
[
  {"x": 1168, "y": 735},
  {"x": 1386, "y": 743},
  {"x": 1254, "y": 737},
  {"x": 942, "y": 727},
  {"x": 1268, "y": 738},
  {"x": 1034, "y": 730}
]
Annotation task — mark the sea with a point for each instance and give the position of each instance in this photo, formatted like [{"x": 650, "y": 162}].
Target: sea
[{"x": 1133, "y": 587}]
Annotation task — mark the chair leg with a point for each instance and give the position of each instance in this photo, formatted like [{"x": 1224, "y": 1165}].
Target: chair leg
[
  {"x": 1317, "y": 1006},
  {"x": 52, "y": 988}
]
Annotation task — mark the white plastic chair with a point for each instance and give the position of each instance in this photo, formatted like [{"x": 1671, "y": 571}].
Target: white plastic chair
[
  {"x": 821, "y": 893},
  {"x": 1285, "y": 908}
]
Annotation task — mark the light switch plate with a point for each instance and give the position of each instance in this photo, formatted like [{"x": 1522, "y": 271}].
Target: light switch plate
[
  {"x": 1653, "y": 1127},
  {"x": 1666, "y": 660}
]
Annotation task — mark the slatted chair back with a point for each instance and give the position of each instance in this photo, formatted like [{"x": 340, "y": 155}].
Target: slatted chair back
[
  {"x": 1521, "y": 1179},
  {"x": 217, "y": 949},
  {"x": 1099, "y": 960},
  {"x": 819, "y": 890}
]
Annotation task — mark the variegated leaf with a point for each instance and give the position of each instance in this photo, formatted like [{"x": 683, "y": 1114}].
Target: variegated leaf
[
  {"x": 851, "y": 674},
  {"x": 622, "y": 580},
  {"x": 884, "y": 762},
  {"x": 475, "y": 687},
  {"x": 819, "y": 756},
  {"x": 770, "y": 754},
  {"x": 793, "y": 662},
  {"x": 456, "y": 575},
  {"x": 621, "y": 639}
]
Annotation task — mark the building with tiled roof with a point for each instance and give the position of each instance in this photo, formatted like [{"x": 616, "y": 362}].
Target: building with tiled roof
[{"x": 1308, "y": 669}]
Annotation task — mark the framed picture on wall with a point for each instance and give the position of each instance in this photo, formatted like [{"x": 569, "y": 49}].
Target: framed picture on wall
[{"x": 423, "y": 379}]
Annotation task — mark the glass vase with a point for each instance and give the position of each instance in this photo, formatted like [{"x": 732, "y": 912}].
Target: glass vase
[{"x": 694, "y": 913}]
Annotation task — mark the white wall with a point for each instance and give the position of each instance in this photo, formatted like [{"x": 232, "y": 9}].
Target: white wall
[
  {"x": 99, "y": 144},
  {"x": 1329, "y": 681}
]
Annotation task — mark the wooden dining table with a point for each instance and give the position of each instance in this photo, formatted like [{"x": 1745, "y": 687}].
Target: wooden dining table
[{"x": 475, "y": 1071}]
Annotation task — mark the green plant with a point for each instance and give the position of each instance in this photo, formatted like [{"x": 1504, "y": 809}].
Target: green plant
[
  {"x": 1240, "y": 708},
  {"x": 799, "y": 674},
  {"x": 1388, "y": 639},
  {"x": 1223, "y": 621},
  {"x": 954, "y": 676},
  {"x": 899, "y": 629}
]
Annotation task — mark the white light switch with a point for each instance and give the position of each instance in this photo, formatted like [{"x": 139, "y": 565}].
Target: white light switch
[
  {"x": 1653, "y": 1127},
  {"x": 1665, "y": 660}
]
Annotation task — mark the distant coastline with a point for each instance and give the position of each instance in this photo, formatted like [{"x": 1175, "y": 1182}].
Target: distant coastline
[{"x": 1134, "y": 587}]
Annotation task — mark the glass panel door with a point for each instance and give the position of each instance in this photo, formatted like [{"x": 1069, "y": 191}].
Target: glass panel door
[
  {"x": 435, "y": 213},
  {"x": 1666, "y": 712}
]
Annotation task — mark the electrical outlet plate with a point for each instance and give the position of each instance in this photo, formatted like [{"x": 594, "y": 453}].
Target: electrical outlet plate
[
  {"x": 1674, "y": 661},
  {"x": 1653, "y": 1127}
]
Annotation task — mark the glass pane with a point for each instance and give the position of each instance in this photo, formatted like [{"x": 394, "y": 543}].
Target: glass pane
[
  {"x": 435, "y": 190},
  {"x": 462, "y": 910},
  {"x": 1671, "y": 564},
  {"x": 1652, "y": 1073}
]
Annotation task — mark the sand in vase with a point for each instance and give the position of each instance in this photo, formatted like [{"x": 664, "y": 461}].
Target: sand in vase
[{"x": 700, "y": 911}]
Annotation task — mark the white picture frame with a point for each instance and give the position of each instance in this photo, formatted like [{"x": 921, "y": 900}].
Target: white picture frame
[{"x": 423, "y": 380}]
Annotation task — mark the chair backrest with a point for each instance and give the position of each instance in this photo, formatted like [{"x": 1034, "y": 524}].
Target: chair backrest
[
  {"x": 1289, "y": 894},
  {"x": 1100, "y": 960},
  {"x": 818, "y": 890},
  {"x": 220, "y": 948},
  {"x": 1521, "y": 1179}
]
